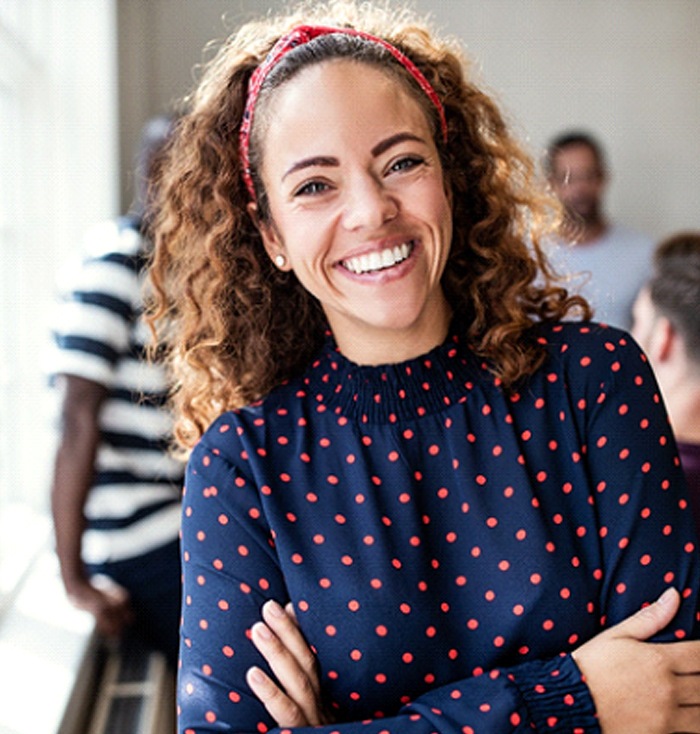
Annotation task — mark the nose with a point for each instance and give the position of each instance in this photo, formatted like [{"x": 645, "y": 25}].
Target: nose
[{"x": 369, "y": 204}]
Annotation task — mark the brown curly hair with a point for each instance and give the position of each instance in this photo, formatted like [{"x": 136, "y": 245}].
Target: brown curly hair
[{"x": 233, "y": 326}]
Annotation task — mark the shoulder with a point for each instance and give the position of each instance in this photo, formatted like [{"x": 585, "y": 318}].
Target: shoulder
[
  {"x": 626, "y": 236},
  {"x": 588, "y": 346},
  {"x": 240, "y": 436},
  {"x": 118, "y": 243},
  {"x": 112, "y": 260}
]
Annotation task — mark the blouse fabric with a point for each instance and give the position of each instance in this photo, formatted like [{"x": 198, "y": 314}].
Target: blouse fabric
[{"x": 445, "y": 544}]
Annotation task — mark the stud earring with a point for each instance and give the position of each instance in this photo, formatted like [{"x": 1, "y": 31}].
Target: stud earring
[{"x": 280, "y": 261}]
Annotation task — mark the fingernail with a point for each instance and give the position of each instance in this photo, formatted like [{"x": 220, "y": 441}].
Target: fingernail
[
  {"x": 262, "y": 629},
  {"x": 274, "y": 608},
  {"x": 666, "y": 596},
  {"x": 256, "y": 675}
]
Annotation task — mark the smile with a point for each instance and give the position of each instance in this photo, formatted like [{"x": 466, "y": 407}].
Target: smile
[{"x": 374, "y": 261}]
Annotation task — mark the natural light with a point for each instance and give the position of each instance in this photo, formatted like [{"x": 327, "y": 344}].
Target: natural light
[{"x": 58, "y": 154}]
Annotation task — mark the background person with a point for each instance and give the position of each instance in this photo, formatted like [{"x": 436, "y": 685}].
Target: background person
[
  {"x": 667, "y": 326},
  {"x": 116, "y": 489},
  {"x": 609, "y": 262},
  {"x": 392, "y": 429}
]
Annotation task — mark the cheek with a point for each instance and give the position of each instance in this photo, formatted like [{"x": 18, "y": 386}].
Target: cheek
[{"x": 443, "y": 208}]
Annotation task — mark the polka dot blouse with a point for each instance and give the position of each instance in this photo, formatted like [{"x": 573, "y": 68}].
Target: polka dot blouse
[{"x": 445, "y": 544}]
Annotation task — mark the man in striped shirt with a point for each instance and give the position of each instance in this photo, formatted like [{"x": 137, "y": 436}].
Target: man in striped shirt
[{"x": 116, "y": 489}]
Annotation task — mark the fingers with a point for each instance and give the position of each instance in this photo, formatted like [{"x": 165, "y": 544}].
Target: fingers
[
  {"x": 682, "y": 658},
  {"x": 282, "y": 645},
  {"x": 110, "y": 607},
  {"x": 280, "y": 706},
  {"x": 650, "y": 620},
  {"x": 287, "y": 630},
  {"x": 687, "y": 719},
  {"x": 687, "y": 688}
]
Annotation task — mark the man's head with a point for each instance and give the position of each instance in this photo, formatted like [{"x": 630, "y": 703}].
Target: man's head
[
  {"x": 575, "y": 166},
  {"x": 667, "y": 310}
]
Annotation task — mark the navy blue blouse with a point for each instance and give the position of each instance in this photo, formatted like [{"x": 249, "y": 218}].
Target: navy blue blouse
[{"x": 445, "y": 544}]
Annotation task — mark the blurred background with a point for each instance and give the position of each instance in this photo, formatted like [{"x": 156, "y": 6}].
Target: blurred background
[{"x": 78, "y": 78}]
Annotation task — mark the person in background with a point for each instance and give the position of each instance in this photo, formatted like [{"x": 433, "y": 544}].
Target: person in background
[
  {"x": 667, "y": 326},
  {"x": 607, "y": 261},
  {"x": 115, "y": 496},
  {"x": 416, "y": 500}
]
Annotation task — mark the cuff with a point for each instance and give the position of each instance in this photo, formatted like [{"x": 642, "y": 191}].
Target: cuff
[{"x": 557, "y": 697}]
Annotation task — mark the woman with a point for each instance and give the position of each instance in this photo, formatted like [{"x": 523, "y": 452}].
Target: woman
[{"x": 456, "y": 495}]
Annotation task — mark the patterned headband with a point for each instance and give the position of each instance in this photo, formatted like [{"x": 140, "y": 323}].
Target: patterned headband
[{"x": 298, "y": 37}]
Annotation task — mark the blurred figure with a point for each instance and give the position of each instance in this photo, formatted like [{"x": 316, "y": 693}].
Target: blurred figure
[
  {"x": 116, "y": 490},
  {"x": 609, "y": 262},
  {"x": 667, "y": 326}
]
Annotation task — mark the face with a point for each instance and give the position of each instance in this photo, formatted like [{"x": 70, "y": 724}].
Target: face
[
  {"x": 578, "y": 182},
  {"x": 359, "y": 208}
]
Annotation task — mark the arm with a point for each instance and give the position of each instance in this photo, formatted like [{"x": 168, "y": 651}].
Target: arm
[
  {"x": 636, "y": 686},
  {"x": 72, "y": 479},
  {"x": 647, "y": 535}
]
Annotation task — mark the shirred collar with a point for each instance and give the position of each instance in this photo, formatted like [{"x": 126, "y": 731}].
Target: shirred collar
[{"x": 394, "y": 392}]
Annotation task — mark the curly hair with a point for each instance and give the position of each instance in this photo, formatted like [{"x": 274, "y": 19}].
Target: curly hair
[{"x": 233, "y": 326}]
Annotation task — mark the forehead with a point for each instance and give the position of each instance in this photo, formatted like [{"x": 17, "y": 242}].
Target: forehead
[
  {"x": 579, "y": 155},
  {"x": 341, "y": 97}
]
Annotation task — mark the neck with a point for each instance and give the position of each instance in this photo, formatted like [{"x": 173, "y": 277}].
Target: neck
[
  {"x": 368, "y": 345},
  {"x": 583, "y": 231}
]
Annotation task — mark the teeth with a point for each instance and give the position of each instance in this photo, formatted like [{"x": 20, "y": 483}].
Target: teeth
[
  {"x": 379, "y": 260},
  {"x": 375, "y": 261}
]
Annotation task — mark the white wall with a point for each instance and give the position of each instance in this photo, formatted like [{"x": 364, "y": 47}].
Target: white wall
[{"x": 628, "y": 70}]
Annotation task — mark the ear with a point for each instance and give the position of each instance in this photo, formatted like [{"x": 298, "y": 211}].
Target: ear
[
  {"x": 665, "y": 339},
  {"x": 274, "y": 246}
]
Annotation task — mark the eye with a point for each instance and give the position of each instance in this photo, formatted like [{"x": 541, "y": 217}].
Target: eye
[
  {"x": 312, "y": 188},
  {"x": 406, "y": 163}
]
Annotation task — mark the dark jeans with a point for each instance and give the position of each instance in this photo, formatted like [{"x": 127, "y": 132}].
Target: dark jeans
[{"x": 153, "y": 580}]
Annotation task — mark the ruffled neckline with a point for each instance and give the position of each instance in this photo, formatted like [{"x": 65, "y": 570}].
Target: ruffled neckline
[{"x": 390, "y": 393}]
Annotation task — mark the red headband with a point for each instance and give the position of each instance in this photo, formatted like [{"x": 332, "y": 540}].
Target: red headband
[{"x": 297, "y": 37}]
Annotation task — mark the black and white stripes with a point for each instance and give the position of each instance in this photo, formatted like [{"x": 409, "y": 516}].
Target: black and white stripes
[{"x": 99, "y": 335}]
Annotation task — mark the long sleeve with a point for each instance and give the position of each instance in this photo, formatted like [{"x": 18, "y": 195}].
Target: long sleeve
[{"x": 638, "y": 490}]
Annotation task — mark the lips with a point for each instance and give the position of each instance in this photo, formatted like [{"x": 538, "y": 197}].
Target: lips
[{"x": 373, "y": 262}]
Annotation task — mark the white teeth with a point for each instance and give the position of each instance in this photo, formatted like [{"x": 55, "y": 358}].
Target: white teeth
[
  {"x": 375, "y": 261},
  {"x": 379, "y": 260}
]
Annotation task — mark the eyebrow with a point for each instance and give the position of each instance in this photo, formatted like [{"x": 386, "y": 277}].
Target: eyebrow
[
  {"x": 384, "y": 145},
  {"x": 317, "y": 160},
  {"x": 329, "y": 161}
]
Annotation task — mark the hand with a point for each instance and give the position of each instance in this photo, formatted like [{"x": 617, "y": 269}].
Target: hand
[
  {"x": 107, "y": 602},
  {"x": 296, "y": 701},
  {"x": 641, "y": 686}
]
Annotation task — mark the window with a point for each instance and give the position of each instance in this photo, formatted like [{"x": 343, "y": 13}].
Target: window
[{"x": 59, "y": 162}]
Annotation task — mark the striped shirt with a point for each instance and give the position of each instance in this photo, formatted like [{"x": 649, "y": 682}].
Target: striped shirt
[{"x": 99, "y": 335}]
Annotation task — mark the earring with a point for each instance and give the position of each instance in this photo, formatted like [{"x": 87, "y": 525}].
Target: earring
[{"x": 280, "y": 260}]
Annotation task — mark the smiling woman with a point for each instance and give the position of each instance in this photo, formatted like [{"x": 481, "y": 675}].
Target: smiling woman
[
  {"x": 418, "y": 495},
  {"x": 366, "y": 191}
]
